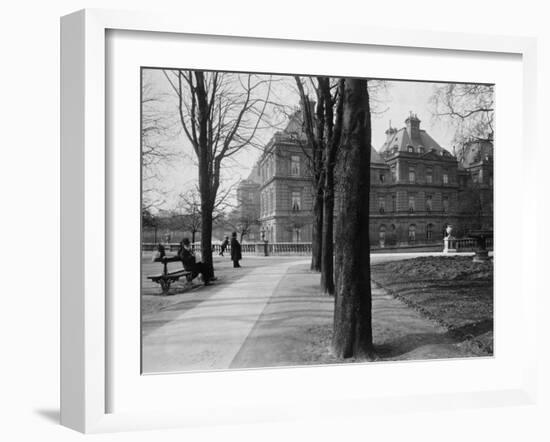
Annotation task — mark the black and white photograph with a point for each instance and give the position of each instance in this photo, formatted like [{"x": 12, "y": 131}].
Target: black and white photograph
[
  {"x": 292, "y": 220},
  {"x": 275, "y": 221}
]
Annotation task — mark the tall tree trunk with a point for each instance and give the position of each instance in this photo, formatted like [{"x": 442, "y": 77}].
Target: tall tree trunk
[
  {"x": 333, "y": 124},
  {"x": 327, "y": 255},
  {"x": 317, "y": 230},
  {"x": 206, "y": 239},
  {"x": 205, "y": 172},
  {"x": 353, "y": 304}
]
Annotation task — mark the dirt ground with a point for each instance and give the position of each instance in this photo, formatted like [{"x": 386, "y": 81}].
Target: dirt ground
[
  {"x": 432, "y": 307},
  {"x": 454, "y": 291}
]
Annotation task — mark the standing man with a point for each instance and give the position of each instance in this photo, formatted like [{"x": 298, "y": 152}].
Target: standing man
[
  {"x": 235, "y": 250},
  {"x": 225, "y": 243}
]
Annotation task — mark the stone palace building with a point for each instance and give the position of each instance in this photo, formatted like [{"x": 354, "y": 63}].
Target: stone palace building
[{"x": 417, "y": 188}]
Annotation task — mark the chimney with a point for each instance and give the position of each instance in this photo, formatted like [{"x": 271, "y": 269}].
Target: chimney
[
  {"x": 413, "y": 126},
  {"x": 390, "y": 132}
]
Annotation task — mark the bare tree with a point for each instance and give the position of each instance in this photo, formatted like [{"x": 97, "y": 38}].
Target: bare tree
[
  {"x": 353, "y": 302},
  {"x": 242, "y": 223},
  {"x": 220, "y": 114},
  {"x": 333, "y": 132},
  {"x": 189, "y": 212},
  {"x": 156, "y": 148},
  {"x": 189, "y": 209},
  {"x": 469, "y": 107},
  {"x": 323, "y": 131},
  {"x": 314, "y": 130},
  {"x": 244, "y": 217}
]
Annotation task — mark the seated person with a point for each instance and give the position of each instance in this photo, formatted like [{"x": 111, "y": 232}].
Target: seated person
[
  {"x": 159, "y": 253},
  {"x": 187, "y": 257}
]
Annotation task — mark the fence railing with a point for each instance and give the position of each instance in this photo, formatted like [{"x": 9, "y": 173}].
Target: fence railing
[
  {"x": 279, "y": 248},
  {"x": 465, "y": 244},
  {"x": 304, "y": 248}
]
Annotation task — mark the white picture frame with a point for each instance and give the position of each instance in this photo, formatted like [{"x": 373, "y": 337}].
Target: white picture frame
[{"x": 85, "y": 168}]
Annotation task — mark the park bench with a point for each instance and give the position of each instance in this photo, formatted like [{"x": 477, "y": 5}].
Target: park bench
[{"x": 166, "y": 278}]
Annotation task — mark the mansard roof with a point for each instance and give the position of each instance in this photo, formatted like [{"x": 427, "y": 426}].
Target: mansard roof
[
  {"x": 375, "y": 157},
  {"x": 402, "y": 139},
  {"x": 475, "y": 152}
]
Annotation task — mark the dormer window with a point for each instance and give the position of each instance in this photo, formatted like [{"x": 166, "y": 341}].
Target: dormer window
[{"x": 410, "y": 149}]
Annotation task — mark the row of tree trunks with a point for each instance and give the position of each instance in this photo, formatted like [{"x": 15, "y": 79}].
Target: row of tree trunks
[
  {"x": 333, "y": 122},
  {"x": 317, "y": 231},
  {"x": 327, "y": 252}
]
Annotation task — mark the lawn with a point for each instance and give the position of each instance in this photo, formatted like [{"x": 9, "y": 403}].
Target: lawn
[{"x": 454, "y": 291}]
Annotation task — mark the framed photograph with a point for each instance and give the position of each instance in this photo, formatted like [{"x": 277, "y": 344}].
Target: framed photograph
[{"x": 251, "y": 213}]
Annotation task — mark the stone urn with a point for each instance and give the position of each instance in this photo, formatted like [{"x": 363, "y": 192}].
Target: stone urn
[{"x": 449, "y": 245}]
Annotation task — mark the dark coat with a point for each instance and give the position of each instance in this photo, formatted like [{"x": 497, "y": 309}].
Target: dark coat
[
  {"x": 187, "y": 258},
  {"x": 235, "y": 250}
]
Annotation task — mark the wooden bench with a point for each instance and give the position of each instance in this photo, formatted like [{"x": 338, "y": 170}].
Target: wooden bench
[{"x": 166, "y": 278}]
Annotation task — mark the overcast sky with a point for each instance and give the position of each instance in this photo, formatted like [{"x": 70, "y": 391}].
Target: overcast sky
[{"x": 180, "y": 174}]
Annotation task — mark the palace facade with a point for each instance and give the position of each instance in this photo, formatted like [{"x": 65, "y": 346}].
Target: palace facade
[{"x": 417, "y": 189}]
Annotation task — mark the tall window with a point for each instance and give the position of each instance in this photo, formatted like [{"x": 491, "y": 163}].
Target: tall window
[
  {"x": 429, "y": 175},
  {"x": 382, "y": 234},
  {"x": 429, "y": 203},
  {"x": 296, "y": 201},
  {"x": 382, "y": 177},
  {"x": 412, "y": 233},
  {"x": 381, "y": 204},
  {"x": 445, "y": 203},
  {"x": 295, "y": 165},
  {"x": 262, "y": 209},
  {"x": 429, "y": 231},
  {"x": 412, "y": 204},
  {"x": 394, "y": 203},
  {"x": 445, "y": 178},
  {"x": 393, "y": 174},
  {"x": 412, "y": 175}
]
